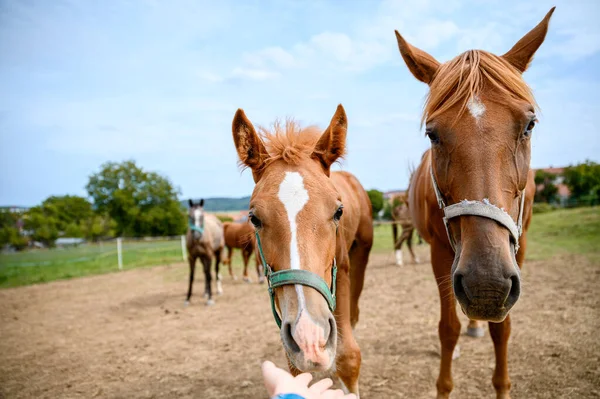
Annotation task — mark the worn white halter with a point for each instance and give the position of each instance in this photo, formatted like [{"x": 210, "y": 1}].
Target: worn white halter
[{"x": 479, "y": 208}]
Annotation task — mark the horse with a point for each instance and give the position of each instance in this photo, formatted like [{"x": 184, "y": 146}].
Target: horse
[
  {"x": 204, "y": 241},
  {"x": 314, "y": 233},
  {"x": 241, "y": 235},
  {"x": 471, "y": 196},
  {"x": 401, "y": 216}
]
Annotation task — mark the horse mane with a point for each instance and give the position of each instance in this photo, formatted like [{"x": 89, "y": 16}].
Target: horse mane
[
  {"x": 466, "y": 76},
  {"x": 289, "y": 141}
]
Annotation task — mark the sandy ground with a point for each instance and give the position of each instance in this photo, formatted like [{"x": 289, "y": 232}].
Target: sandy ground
[{"x": 128, "y": 335}]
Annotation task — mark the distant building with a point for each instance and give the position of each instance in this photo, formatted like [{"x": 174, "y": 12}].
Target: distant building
[
  {"x": 563, "y": 192},
  {"x": 14, "y": 209},
  {"x": 68, "y": 241},
  {"x": 390, "y": 195}
]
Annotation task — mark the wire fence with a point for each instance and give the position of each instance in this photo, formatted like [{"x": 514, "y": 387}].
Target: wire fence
[{"x": 120, "y": 253}]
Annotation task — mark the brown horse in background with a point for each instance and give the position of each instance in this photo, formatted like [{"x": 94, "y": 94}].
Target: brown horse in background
[
  {"x": 297, "y": 207},
  {"x": 204, "y": 241},
  {"x": 241, "y": 235},
  {"x": 472, "y": 195},
  {"x": 401, "y": 215}
]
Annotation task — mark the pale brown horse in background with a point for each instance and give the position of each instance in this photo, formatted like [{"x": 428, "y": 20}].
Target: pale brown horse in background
[
  {"x": 241, "y": 235},
  {"x": 296, "y": 207},
  {"x": 204, "y": 241},
  {"x": 479, "y": 116},
  {"x": 401, "y": 215}
]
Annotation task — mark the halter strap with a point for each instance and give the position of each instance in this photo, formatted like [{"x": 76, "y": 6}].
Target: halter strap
[
  {"x": 296, "y": 276},
  {"x": 193, "y": 227},
  {"x": 479, "y": 208}
]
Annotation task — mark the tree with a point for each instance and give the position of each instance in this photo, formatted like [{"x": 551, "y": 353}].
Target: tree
[
  {"x": 377, "y": 201},
  {"x": 9, "y": 231},
  {"x": 141, "y": 203},
  {"x": 547, "y": 189},
  {"x": 43, "y": 224},
  {"x": 584, "y": 182}
]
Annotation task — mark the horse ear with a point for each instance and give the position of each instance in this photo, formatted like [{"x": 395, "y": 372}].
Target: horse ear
[
  {"x": 190, "y": 202},
  {"x": 249, "y": 146},
  {"x": 421, "y": 64},
  {"x": 202, "y": 202},
  {"x": 332, "y": 144},
  {"x": 521, "y": 54}
]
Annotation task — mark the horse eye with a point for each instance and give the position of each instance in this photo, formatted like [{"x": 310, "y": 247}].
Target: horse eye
[
  {"x": 529, "y": 130},
  {"x": 433, "y": 136},
  {"x": 255, "y": 221},
  {"x": 338, "y": 214}
]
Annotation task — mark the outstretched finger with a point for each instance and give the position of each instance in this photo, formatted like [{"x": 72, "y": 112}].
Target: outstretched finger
[
  {"x": 321, "y": 386},
  {"x": 304, "y": 379}
]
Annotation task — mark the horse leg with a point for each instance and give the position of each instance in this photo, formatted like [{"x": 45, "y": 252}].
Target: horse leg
[
  {"x": 501, "y": 381},
  {"x": 409, "y": 243},
  {"x": 192, "y": 262},
  {"x": 359, "y": 257},
  {"x": 230, "y": 262},
  {"x": 500, "y": 332},
  {"x": 206, "y": 261},
  {"x": 348, "y": 357},
  {"x": 449, "y": 326},
  {"x": 475, "y": 329},
  {"x": 246, "y": 257},
  {"x": 219, "y": 277},
  {"x": 397, "y": 245}
]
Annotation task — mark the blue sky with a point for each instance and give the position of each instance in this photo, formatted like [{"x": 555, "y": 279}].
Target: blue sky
[{"x": 86, "y": 82}]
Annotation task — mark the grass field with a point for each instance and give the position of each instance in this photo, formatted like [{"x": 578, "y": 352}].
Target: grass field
[{"x": 550, "y": 234}]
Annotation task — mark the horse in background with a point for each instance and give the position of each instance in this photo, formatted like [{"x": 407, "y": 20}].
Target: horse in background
[
  {"x": 471, "y": 197},
  {"x": 204, "y": 241},
  {"x": 241, "y": 235},
  {"x": 314, "y": 230},
  {"x": 401, "y": 215}
]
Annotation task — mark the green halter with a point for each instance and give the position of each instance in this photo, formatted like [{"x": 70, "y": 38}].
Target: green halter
[
  {"x": 296, "y": 276},
  {"x": 193, "y": 227}
]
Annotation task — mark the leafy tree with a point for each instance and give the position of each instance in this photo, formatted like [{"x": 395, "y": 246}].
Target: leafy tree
[
  {"x": 69, "y": 211},
  {"x": 377, "y": 201},
  {"x": 141, "y": 203},
  {"x": 98, "y": 227},
  {"x": 43, "y": 223},
  {"x": 9, "y": 231},
  {"x": 584, "y": 182},
  {"x": 548, "y": 190}
]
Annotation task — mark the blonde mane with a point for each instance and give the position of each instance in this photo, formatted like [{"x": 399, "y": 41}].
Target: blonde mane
[
  {"x": 289, "y": 141},
  {"x": 466, "y": 76}
]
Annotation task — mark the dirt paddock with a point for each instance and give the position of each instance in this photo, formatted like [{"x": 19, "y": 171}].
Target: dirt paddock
[{"x": 126, "y": 335}]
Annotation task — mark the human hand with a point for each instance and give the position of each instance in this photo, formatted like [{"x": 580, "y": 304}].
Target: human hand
[{"x": 278, "y": 381}]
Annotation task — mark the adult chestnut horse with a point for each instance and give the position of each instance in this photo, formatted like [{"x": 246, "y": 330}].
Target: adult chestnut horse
[
  {"x": 472, "y": 195},
  {"x": 241, "y": 235},
  {"x": 296, "y": 209}
]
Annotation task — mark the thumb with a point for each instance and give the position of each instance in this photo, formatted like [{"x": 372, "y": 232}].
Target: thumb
[{"x": 272, "y": 376}]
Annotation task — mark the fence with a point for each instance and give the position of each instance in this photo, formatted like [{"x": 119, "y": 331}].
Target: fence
[{"x": 120, "y": 253}]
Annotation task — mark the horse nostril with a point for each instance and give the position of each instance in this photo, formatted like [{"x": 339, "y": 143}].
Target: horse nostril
[
  {"x": 460, "y": 291},
  {"x": 515, "y": 291},
  {"x": 331, "y": 332},
  {"x": 288, "y": 339}
]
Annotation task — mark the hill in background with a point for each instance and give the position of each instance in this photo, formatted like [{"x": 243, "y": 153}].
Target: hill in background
[{"x": 223, "y": 204}]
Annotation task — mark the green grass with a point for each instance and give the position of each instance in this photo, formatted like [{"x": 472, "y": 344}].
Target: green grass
[
  {"x": 565, "y": 231},
  {"x": 41, "y": 266},
  {"x": 551, "y": 234}
]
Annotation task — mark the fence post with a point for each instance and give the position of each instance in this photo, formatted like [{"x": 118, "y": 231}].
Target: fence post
[
  {"x": 183, "y": 251},
  {"x": 120, "y": 253}
]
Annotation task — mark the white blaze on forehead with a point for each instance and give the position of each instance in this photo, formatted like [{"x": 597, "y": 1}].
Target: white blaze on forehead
[
  {"x": 197, "y": 216},
  {"x": 476, "y": 107},
  {"x": 294, "y": 196}
]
